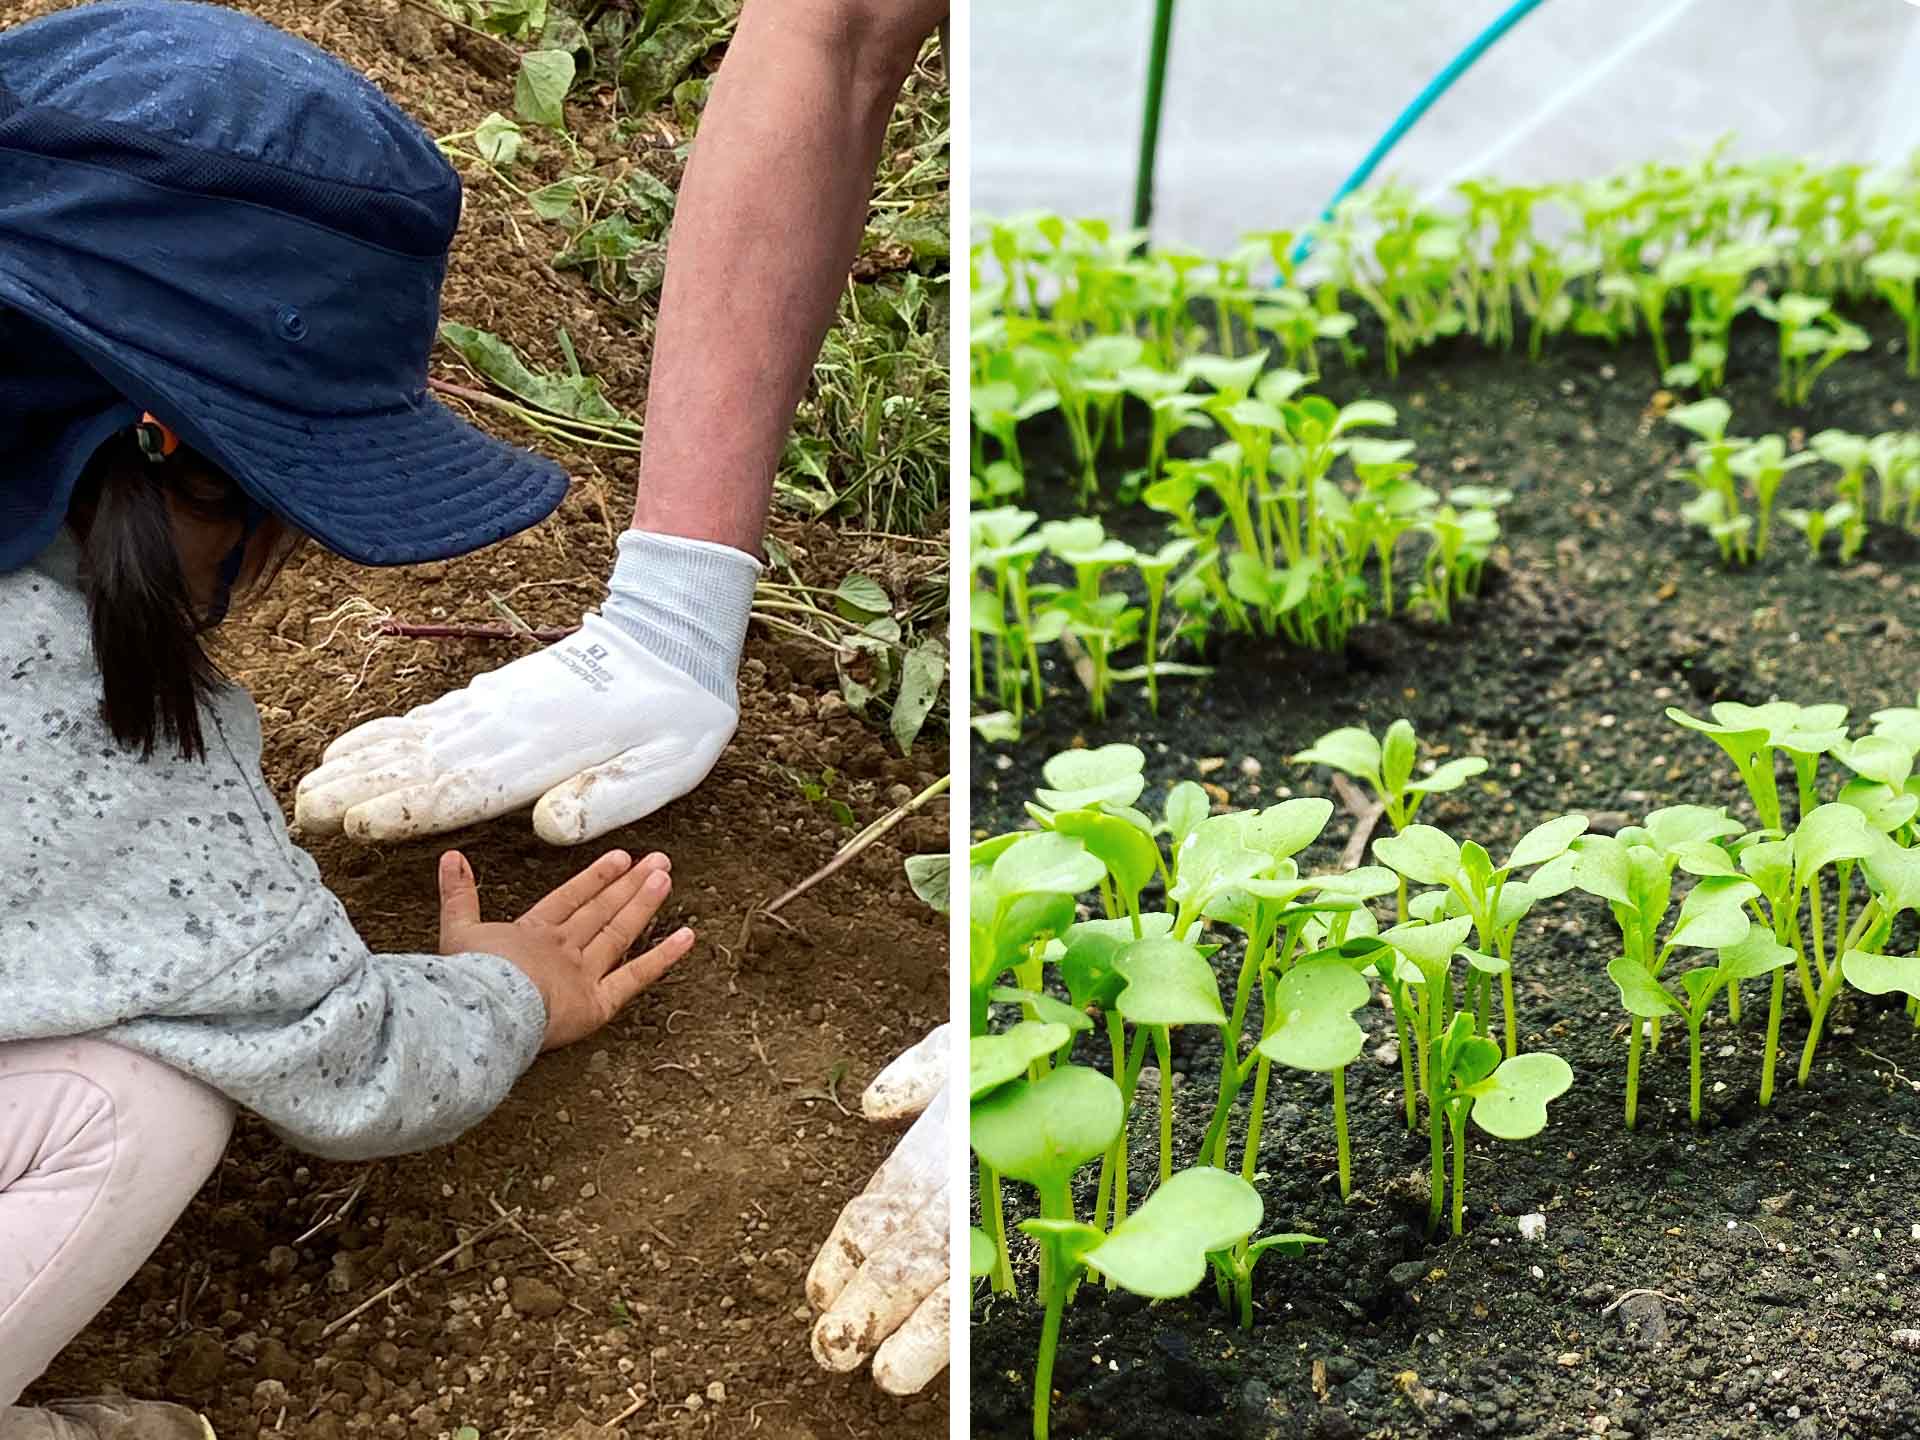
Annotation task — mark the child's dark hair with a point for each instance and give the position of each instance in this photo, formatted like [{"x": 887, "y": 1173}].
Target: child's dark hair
[{"x": 146, "y": 623}]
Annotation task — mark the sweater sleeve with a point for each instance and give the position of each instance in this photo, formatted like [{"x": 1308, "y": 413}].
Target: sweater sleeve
[
  {"x": 351, "y": 1055},
  {"x": 158, "y": 902}
]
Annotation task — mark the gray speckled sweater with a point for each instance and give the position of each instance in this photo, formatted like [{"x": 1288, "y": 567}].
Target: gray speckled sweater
[{"x": 161, "y": 905}]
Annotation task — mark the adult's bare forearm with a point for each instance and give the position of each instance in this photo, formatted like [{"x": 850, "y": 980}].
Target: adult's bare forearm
[{"x": 769, "y": 219}]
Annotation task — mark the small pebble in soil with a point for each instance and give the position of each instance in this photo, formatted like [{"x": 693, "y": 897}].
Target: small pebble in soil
[
  {"x": 1342, "y": 1368},
  {"x": 1407, "y": 1274},
  {"x": 534, "y": 1297}
]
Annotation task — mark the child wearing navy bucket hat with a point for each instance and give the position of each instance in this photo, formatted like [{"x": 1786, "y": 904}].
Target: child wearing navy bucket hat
[{"x": 221, "y": 254}]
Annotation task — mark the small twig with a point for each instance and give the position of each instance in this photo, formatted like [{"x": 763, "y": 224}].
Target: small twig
[
  {"x": 546, "y": 635},
  {"x": 659, "y": 1234},
  {"x": 336, "y": 1215},
  {"x": 753, "y": 1411},
  {"x": 1082, "y": 663},
  {"x": 635, "y": 1408},
  {"x": 1899, "y": 1074},
  {"x": 1626, "y": 1295},
  {"x": 1366, "y": 814},
  {"x": 417, "y": 1272},
  {"x": 527, "y": 1236},
  {"x": 864, "y": 840}
]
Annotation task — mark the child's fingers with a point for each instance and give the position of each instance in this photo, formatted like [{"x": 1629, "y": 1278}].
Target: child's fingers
[
  {"x": 624, "y": 985},
  {"x": 606, "y": 931},
  {"x": 459, "y": 898},
  {"x": 559, "y": 906}
]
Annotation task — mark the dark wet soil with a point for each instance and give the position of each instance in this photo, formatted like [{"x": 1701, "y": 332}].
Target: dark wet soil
[{"x": 1778, "y": 1250}]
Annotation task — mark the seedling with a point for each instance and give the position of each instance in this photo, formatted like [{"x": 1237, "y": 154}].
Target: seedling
[
  {"x": 1492, "y": 898},
  {"x": 1103, "y": 623},
  {"x": 1388, "y": 766},
  {"x": 1716, "y": 507},
  {"x": 1896, "y": 275},
  {"x": 1836, "y": 836},
  {"x": 1309, "y": 1026},
  {"x": 1850, "y": 455},
  {"x": 1002, "y": 545},
  {"x": 1752, "y": 735},
  {"x": 1812, "y": 339},
  {"x": 1154, "y": 571},
  {"x": 1633, "y": 872},
  {"x": 1895, "y": 875},
  {"x": 1041, "y": 1132},
  {"x": 1161, "y": 1251},
  {"x": 1753, "y": 955},
  {"x": 1895, "y": 458},
  {"x": 1816, "y": 525},
  {"x": 1166, "y": 983},
  {"x": 1764, "y": 465}
]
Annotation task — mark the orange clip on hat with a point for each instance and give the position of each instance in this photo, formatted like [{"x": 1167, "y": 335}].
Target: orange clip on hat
[{"x": 156, "y": 440}]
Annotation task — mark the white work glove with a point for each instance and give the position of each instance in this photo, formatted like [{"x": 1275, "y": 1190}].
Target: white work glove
[
  {"x": 882, "y": 1279},
  {"x": 601, "y": 729}
]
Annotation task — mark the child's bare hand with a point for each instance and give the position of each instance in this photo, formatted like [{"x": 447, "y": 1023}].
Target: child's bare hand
[{"x": 573, "y": 944}]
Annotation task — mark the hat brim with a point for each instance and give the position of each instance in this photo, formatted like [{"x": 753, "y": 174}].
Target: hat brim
[
  {"x": 396, "y": 487},
  {"x": 399, "y": 488}
]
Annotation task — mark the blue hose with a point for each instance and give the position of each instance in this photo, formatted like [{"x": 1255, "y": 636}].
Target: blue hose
[{"x": 1410, "y": 116}]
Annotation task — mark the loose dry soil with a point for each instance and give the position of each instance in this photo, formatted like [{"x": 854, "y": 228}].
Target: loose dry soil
[
  {"x": 671, "y": 1178},
  {"x": 1777, "y": 1252}
]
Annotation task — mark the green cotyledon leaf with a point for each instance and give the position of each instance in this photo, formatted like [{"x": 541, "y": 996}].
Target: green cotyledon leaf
[
  {"x": 1757, "y": 954},
  {"x": 1041, "y": 1131},
  {"x": 1640, "y": 993},
  {"x": 1160, "y": 1250},
  {"x": 1714, "y": 912},
  {"x": 1422, "y": 853},
  {"x": 1046, "y": 1008},
  {"x": 1881, "y": 974},
  {"x": 1216, "y": 857},
  {"x": 1080, "y": 779},
  {"x": 1512, "y": 1102},
  {"x": 1313, "y": 1026},
  {"x": 1895, "y": 872},
  {"x": 1673, "y": 826},
  {"x": 1546, "y": 841},
  {"x": 1285, "y": 829},
  {"x": 1187, "y": 805},
  {"x": 1826, "y": 835},
  {"x": 1601, "y": 866},
  {"x": 1167, "y": 983},
  {"x": 1429, "y": 946},
  {"x": 1397, "y": 753},
  {"x": 1130, "y": 856},
  {"x": 994, "y": 1060},
  {"x": 1046, "y": 863},
  {"x": 1450, "y": 776},
  {"x": 1351, "y": 750},
  {"x": 1090, "y": 949},
  {"x": 980, "y": 1252}
]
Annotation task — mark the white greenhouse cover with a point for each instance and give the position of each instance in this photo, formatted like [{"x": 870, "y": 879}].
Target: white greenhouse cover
[{"x": 1270, "y": 105}]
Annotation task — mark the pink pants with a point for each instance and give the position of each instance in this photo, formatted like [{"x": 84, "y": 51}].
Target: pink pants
[{"x": 101, "y": 1149}]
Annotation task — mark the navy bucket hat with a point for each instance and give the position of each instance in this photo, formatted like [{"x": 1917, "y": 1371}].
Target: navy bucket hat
[{"x": 242, "y": 235}]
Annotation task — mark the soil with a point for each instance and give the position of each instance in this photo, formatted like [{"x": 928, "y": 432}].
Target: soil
[
  {"x": 1744, "y": 1281},
  {"x": 668, "y": 1180}
]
